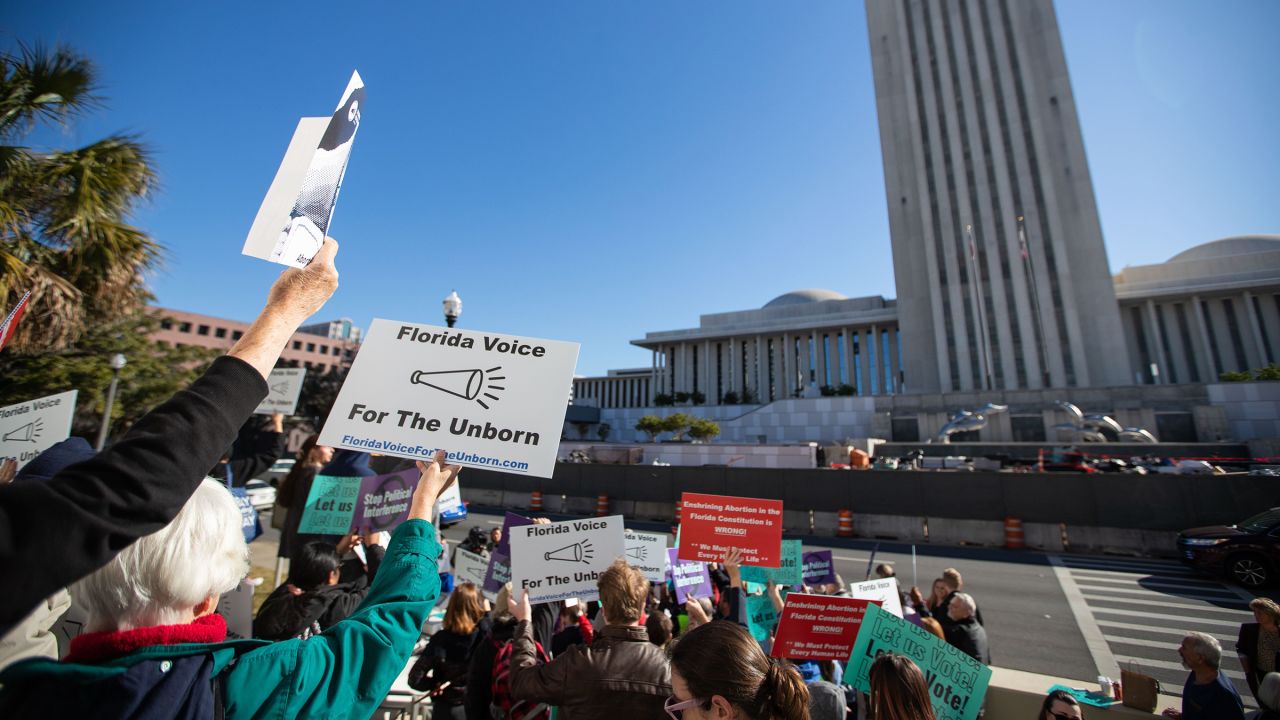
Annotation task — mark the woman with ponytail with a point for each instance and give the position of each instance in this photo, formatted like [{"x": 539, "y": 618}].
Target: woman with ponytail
[{"x": 719, "y": 671}]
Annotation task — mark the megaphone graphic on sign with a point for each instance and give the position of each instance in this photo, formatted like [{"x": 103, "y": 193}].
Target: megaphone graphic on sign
[
  {"x": 577, "y": 552},
  {"x": 280, "y": 388},
  {"x": 638, "y": 552},
  {"x": 26, "y": 433},
  {"x": 466, "y": 384}
]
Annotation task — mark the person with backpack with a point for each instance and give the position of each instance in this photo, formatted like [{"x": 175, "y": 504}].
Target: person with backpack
[
  {"x": 621, "y": 675},
  {"x": 156, "y": 648},
  {"x": 441, "y": 669},
  {"x": 489, "y": 674},
  {"x": 313, "y": 599}
]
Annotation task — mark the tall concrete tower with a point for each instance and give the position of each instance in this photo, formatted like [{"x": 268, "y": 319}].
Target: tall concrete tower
[{"x": 1001, "y": 273}]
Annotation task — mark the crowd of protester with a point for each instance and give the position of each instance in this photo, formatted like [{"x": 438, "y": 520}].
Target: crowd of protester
[{"x": 146, "y": 539}]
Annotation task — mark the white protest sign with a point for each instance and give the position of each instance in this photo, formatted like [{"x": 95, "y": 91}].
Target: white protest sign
[
  {"x": 470, "y": 567},
  {"x": 647, "y": 553},
  {"x": 294, "y": 216},
  {"x": 283, "y": 387},
  {"x": 449, "y": 505},
  {"x": 493, "y": 401},
  {"x": 557, "y": 561},
  {"x": 29, "y": 428},
  {"x": 885, "y": 591}
]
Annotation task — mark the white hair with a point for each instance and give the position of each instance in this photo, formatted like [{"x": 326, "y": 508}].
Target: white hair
[
  {"x": 1207, "y": 647},
  {"x": 159, "y": 579},
  {"x": 965, "y": 602}
]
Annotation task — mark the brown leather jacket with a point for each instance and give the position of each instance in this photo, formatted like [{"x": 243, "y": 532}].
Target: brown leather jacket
[{"x": 620, "y": 676}]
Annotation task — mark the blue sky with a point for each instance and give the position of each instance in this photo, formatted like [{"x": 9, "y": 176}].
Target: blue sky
[{"x": 593, "y": 170}]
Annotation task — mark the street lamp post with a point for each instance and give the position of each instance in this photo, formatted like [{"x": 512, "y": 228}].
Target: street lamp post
[
  {"x": 452, "y": 307},
  {"x": 118, "y": 362}
]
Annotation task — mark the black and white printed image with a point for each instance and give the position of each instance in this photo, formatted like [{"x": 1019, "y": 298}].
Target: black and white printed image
[{"x": 304, "y": 232}]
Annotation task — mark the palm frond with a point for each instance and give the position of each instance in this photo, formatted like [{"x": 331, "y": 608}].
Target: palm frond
[{"x": 40, "y": 84}]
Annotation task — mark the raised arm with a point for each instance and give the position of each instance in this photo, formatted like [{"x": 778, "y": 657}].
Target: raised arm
[{"x": 54, "y": 533}]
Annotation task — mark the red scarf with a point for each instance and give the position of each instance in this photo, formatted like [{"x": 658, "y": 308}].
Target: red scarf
[{"x": 99, "y": 647}]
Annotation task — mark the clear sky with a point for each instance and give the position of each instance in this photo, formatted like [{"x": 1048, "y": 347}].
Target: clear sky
[{"x": 596, "y": 169}]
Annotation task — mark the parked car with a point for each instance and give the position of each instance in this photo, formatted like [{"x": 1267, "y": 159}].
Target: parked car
[
  {"x": 1248, "y": 552},
  {"x": 276, "y": 473},
  {"x": 261, "y": 495}
]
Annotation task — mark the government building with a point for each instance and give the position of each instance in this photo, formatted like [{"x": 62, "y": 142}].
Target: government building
[{"x": 1004, "y": 291}]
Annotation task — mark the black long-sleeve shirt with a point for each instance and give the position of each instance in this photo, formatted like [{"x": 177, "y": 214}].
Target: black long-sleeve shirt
[{"x": 56, "y": 532}]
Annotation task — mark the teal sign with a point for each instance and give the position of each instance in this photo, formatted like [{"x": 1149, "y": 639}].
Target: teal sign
[
  {"x": 762, "y": 616},
  {"x": 957, "y": 683},
  {"x": 330, "y": 505},
  {"x": 788, "y": 572}
]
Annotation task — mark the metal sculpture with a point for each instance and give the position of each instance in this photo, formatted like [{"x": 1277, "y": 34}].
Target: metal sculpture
[
  {"x": 1099, "y": 428},
  {"x": 966, "y": 421}
]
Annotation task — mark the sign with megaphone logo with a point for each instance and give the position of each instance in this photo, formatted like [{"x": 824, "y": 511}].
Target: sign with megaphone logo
[
  {"x": 558, "y": 561},
  {"x": 29, "y": 428},
  {"x": 647, "y": 552},
  {"x": 284, "y": 385},
  {"x": 493, "y": 401}
]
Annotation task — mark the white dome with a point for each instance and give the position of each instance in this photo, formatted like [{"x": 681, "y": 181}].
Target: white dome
[
  {"x": 1227, "y": 247},
  {"x": 798, "y": 297}
]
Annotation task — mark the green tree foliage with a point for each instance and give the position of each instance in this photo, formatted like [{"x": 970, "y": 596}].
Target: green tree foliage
[
  {"x": 651, "y": 425},
  {"x": 603, "y": 430},
  {"x": 703, "y": 429},
  {"x": 676, "y": 424},
  {"x": 153, "y": 372},
  {"x": 64, "y": 231}
]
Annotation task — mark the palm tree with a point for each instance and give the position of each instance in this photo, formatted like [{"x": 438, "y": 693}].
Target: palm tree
[{"x": 64, "y": 233}]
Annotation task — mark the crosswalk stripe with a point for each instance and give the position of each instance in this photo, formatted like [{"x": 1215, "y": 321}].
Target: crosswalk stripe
[
  {"x": 1137, "y": 575},
  {"x": 1150, "y": 569},
  {"x": 1166, "y": 630},
  {"x": 1200, "y": 586},
  {"x": 1192, "y": 621},
  {"x": 1184, "y": 594},
  {"x": 1168, "y": 665},
  {"x": 1158, "y": 603},
  {"x": 1105, "y": 560}
]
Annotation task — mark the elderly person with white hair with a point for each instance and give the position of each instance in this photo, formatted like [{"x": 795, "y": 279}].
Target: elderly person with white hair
[
  {"x": 156, "y": 648},
  {"x": 1208, "y": 694},
  {"x": 964, "y": 631}
]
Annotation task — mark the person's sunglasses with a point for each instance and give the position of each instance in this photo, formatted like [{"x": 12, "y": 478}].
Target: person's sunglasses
[
  {"x": 676, "y": 709},
  {"x": 1060, "y": 716}
]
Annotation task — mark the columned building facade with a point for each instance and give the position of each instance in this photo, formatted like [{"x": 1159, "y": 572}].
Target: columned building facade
[
  {"x": 998, "y": 253},
  {"x": 802, "y": 344},
  {"x": 1209, "y": 310}
]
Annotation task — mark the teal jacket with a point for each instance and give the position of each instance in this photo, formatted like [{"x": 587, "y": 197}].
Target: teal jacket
[{"x": 343, "y": 672}]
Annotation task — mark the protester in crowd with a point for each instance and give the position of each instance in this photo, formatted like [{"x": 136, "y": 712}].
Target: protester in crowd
[
  {"x": 936, "y": 605},
  {"x": 898, "y": 689},
  {"x": 1259, "y": 642},
  {"x": 719, "y": 671},
  {"x": 33, "y": 636},
  {"x": 256, "y": 448},
  {"x": 442, "y": 667},
  {"x": 827, "y": 701},
  {"x": 620, "y": 675},
  {"x": 489, "y": 673},
  {"x": 1060, "y": 705},
  {"x": 575, "y": 629},
  {"x": 312, "y": 599},
  {"x": 495, "y": 538},
  {"x": 477, "y": 541},
  {"x": 933, "y": 626},
  {"x": 1268, "y": 698},
  {"x": 296, "y": 487},
  {"x": 155, "y": 642},
  {"x": 658, "y": 626},
  {"x": 1207, "y": 694},
  {"x": 55, "y": 532},
  {"x": 964, "y": 631}
]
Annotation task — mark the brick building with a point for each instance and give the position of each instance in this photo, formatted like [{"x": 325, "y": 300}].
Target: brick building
[{"x": 312, "y": 347}]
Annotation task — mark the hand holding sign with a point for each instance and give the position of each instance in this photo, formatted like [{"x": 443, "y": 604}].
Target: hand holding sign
[{"x": 436, "y": 476}]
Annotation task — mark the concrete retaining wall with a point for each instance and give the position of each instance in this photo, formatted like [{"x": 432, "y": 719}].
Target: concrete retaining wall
[
  {"x": 699, "y": 454},
  {"x": 1109, "y": 513}
]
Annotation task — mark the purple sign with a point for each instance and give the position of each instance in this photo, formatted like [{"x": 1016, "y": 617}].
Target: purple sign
[
  {"x": 384, "y": 500},
  {"x": 498, "y": 572},
  {"x": 818, "y": 567},
  {"x": 512, "y": 520},
  {"x": 690, "y": 578}
]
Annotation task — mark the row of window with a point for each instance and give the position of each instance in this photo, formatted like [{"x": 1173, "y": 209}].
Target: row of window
[{"x": 221, "y": 333}]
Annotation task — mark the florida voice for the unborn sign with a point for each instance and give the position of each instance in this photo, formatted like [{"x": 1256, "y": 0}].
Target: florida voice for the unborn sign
[{"x": 414, "y": 420}]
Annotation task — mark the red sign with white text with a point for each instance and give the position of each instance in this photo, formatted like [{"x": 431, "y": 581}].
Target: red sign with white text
[
  {"x": 818, "y": 627},
  {"x": 710, "y": 525}
]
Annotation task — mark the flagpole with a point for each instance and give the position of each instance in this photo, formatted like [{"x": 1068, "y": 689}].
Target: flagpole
[
  {"x": 976, "y": 289},
  {"x": 1030, "y": 269}
]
